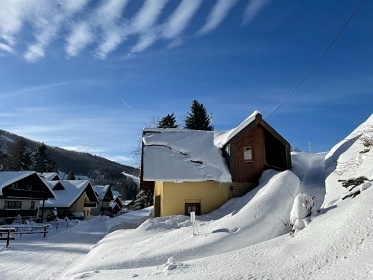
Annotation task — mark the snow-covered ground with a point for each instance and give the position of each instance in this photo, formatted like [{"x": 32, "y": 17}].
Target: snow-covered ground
[{"x": 247, "y": 238}]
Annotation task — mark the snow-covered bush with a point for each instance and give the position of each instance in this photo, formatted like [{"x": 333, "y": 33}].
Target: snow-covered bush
[{"x": 302, "y": 208}]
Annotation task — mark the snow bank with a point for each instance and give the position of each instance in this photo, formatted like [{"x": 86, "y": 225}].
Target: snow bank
[
  {"x": 242, "y": 222},
  {"x": 349, "y": 159}
]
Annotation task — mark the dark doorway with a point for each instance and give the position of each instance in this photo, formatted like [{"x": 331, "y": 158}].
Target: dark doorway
[
  {"x": 157, "y": 206},
  {"x": 192, "y": 207}
]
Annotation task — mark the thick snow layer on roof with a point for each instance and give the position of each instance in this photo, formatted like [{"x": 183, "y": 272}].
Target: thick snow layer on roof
[
  {"x": 100, "y": 191},
  {"x": 349, "y": 159},
  {"x": 9, "y": 177},
  {"x": 135, "y": 179},
  {"x": 222, "y": 138},
  {"x": 177, "y": 155},
  {"x": 65, "y": 198}
]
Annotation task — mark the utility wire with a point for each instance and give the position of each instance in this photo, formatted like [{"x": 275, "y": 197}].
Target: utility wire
[{"x": 317, "y": 62}]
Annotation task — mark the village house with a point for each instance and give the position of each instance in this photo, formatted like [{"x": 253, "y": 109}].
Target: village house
[
  {"x": 105, "y": 196},
  {"x": 73, "y": 199},
  {"x": 22, "y": 193},
  {"x": 192, "y": 170}
]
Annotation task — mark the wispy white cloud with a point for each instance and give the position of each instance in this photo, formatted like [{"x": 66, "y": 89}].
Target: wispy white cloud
[
  {"x": 217, "y": 15},
  {"x": 147, "y": 16},
  {"x": 49, "y": 19},
  {"x": 180, "y": 18},
  {"x": 253, "y": 8},
  {"x": 107, "y": 19},
  {"x": 6, "y": 48},
  {"x": 79, "y": 39},
  {"x": 103, "y": 27}
]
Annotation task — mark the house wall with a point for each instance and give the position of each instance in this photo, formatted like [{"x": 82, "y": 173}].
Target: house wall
[
  {"x": 78, "y": 206},
  {"x": 173, "y": 196},
  {"x": 26, "y": 204},
  {"x": 248, "y": 171}
]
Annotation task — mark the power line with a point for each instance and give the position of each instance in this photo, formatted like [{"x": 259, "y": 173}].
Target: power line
[{"x": 317, "y": 61}]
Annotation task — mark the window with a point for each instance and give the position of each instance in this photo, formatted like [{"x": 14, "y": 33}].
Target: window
[
  {"x": 12, "y": 204},
  {"x": 32, "y": 204},
  {"x": 248, "y": 153},
  {"x": 193, "y": 207}
]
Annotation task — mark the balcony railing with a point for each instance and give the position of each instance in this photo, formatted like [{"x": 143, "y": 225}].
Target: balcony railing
[
  {"x": 105, "y": 209},
  {"x": 12, "y": 213},
  {"x": 90, "y": 204}
]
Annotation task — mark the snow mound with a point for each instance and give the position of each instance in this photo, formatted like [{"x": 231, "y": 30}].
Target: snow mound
[
  {"x": 241, "y": 222},
  {"x": 300, "y": 211}
]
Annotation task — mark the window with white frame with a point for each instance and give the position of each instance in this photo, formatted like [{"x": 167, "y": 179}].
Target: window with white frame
[{"x": 248, "y": 153}]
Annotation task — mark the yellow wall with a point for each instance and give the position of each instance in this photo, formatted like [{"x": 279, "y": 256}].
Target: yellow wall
[
  {"x": 78, "y": 206},
  {"x": 211, "y": 195}
]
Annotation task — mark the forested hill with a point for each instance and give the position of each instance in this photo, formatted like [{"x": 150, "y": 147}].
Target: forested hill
[{"x": 87, "y": 164}]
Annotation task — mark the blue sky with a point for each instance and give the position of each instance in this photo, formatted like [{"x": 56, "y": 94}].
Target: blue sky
[{"x": 89, "y": 75}]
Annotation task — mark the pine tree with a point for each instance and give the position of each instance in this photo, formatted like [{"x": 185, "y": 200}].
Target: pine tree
[
  {"x": 198, "y": 118},
  {"x": 3, "y": 158},
  {"x": 43, "y": 161},
  {"x": 168, "y": 121},
  {"x": 19, "y": 156}
]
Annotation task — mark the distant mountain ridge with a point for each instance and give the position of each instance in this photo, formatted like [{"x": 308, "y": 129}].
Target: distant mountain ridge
[{"x": 93, "y": 166}]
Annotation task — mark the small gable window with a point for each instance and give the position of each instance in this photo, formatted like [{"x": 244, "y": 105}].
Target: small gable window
[{"x": 248, "y": 154}]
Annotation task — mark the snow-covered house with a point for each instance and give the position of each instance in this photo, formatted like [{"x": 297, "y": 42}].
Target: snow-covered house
[
  {"x": 249, "y": 149},
  {"x": 105, "y": 196},
  {"x": 21, "y": 193},
  {"x": 72, "y": 196},
  {"x": 193, "y": 170}
]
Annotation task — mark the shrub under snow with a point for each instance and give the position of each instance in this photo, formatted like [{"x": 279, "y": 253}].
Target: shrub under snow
[{"x": 301, "y": 209}]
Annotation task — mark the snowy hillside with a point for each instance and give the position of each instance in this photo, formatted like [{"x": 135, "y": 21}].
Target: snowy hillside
[
  {"x": 247, "y": 238},
  {"x": 350, "y": 164}
]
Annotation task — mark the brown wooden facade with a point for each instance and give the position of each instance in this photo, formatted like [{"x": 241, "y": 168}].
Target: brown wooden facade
[{"x": 269, "y": 150}]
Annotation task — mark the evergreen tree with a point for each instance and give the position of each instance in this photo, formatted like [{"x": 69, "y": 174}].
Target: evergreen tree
[
  {"x": 168, "y": 121},
  {"x": 198, "y": 118},
  {"x": 19, "y": 157},
  {"x": 43, "y": 161},
  {"x": 3, "y": 158}
]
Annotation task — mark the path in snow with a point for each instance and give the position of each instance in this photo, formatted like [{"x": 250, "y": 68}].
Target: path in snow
[
  {"x": 310, "y": 168},
  {"x": 33, "y": 257},
  {"x": 38, "y": 258}
]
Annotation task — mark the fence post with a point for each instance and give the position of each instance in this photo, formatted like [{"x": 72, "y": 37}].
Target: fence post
[{"x": 45, "y": 231}]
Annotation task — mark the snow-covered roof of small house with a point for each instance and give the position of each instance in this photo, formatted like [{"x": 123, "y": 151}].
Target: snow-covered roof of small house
[
  {"x": 101, "y": 191},
  {"x": 9, "y": 177},
  {"x": 177, "y": 155},
  {"x": 223, "y": 137},
  {"x": 73, "y": 189}
]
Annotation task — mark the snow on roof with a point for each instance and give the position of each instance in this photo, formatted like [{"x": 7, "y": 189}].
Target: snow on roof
[
  {"x": 49, "y": 176},
  {"x": 65, "y": 198},
  {"x": 177, "y": 155},
  {"x": 9, "y": 177},
  {"x": 135, "y": 179},
  {"x": 222, "y": 138},
  {"x": 101, "y": 191}
]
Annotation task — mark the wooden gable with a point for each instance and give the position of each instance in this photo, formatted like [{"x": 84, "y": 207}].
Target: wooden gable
[
  {"x": 255, "y": 148},
  {"x": 29, "y": 187}
]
